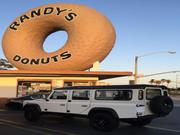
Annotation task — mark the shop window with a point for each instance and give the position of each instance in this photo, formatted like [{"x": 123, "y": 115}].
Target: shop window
[
  {"x": 68, "y": 84},
  {"x": 82, "y": 84},
  {"x": 27, "y": 88}
]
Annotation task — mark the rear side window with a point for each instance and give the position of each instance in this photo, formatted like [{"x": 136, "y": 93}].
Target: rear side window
[
  {"x": 113, "y": 95},
  {"x": 141, "y": 95},
  {"x": 151, "y": 93},
  {"x": 62, "y": 94},
  {"x": 81, "y": 95}
]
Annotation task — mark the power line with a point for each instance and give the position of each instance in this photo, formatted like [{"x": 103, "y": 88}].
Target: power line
[{"x": 176, "y": 71}]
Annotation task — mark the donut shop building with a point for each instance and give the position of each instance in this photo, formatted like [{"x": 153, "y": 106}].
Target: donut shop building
[
  {"x": 88, "y": 44},
  {"x": 17, "y": 83}
]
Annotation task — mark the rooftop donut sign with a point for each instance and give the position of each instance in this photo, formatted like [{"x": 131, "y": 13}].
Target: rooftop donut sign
[{"x": 91, "y": 37}]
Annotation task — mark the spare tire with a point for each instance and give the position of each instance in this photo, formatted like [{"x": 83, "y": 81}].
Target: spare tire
[{"x": 161, "y": 105}]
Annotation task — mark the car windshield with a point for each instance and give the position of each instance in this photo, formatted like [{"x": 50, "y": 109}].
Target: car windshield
[
  {"x": 39, "y": 96},
  {"x": 151, "y": 93}
]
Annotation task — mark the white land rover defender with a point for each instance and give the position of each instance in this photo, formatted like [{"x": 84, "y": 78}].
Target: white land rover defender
[{"x": 104, "y": 106}]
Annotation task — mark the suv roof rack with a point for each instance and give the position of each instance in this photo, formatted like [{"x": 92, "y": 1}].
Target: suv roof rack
[{"x": 137, "y": 86}]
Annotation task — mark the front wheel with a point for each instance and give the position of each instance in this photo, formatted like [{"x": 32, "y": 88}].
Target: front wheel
[
  {"x": 103, "y": 122},
  {"x": 32, "y": 114}
]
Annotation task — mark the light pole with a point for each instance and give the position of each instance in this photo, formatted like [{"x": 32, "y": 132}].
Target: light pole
[
  {"x": 147, "y": 54},
  {"x": 177, "y": 77}
]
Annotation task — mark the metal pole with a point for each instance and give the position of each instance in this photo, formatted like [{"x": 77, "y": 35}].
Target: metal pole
[
  {"x": 176, "y": 83},
  {"x": 136, "y": 62},
  {"x": 136, "y": 70}
]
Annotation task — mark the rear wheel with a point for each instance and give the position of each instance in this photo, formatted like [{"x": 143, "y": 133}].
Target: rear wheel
[
  {"x": 103, "y": 121},
  {"x": 32, "y": 113}
]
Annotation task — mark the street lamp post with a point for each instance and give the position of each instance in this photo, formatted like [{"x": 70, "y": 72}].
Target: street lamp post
[
  {"x": 136, "y": 62},
  {"x": 136, "y": 70},
  {"x": 177, "y": 77}
]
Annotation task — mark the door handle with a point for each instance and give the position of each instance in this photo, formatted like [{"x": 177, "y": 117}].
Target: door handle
[
  {"x": 62, "y": 104},
  {"x": 83, "y": 105}
]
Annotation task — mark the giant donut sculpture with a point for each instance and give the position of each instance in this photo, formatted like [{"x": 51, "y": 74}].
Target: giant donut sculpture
[{"x": 91, "y": 37}]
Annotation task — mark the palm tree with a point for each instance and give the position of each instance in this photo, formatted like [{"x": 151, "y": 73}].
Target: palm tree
[
  {"x": 152, "y": 81},
  {"x": 5, "y": 65},
  {"x": 163, "y": 81},
  {"x": 168, "y": 82},
  {"x": 158, "y": 82}
]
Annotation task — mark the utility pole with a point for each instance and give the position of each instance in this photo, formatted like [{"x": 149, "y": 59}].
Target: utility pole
[
  {"x": 147, "y": 54},
  {"x": 176, "y": 83},
  {"x": 136, "y": 70}
]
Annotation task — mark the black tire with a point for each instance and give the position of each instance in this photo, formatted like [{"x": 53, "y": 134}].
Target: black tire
[
  {"x": 161, "y": 105},
  {"x": 32, "y": 113},
  {"x": 103, "y": 121},
  {"x": 139, "y": 122}
]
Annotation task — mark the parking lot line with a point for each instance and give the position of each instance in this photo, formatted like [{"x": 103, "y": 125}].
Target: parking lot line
[
  {"x": 26, "y": 129},
  {"x": 2, "y": 110},
  {"x": 164, "y": 129},
  {"x": 176, "y": 105},
  {"x": 13, "y": 123}
]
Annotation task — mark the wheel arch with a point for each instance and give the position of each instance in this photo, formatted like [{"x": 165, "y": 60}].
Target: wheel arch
[
  {"x": 32, "y": 105},
  {"x": 104, "y": 110}
]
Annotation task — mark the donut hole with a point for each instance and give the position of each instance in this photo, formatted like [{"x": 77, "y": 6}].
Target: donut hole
[{"x": 55, "y": 41}]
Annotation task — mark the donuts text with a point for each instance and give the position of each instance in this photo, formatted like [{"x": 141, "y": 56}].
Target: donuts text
[{"x": 37, "y": 61}]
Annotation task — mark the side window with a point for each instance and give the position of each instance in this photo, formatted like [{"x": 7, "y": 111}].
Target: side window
[
  {"x": 151, "y": 93},
  {"x": 81, "y": 95},
  {"x": 141, "y": 95},
  {"x": 62, "y": 94},
  {"x": 113, "y": 95}
]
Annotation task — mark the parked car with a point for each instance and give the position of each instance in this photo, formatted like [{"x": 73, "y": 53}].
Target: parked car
[
  {"x": 17, "y": 103},
  {"x": 104, "y": 106}
]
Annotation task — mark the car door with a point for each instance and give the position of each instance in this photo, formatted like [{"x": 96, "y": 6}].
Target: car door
[
  {"x": 79, "y": 101},
  {"x": 150, "y": 93},
  {"x": 57, "y": 102}
]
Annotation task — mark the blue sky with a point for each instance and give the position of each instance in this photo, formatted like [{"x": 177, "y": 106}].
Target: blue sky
[{"x": 142, "y": 26}]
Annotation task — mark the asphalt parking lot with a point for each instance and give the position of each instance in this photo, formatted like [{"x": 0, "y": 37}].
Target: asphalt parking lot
[{"x": 13, "y": 122}]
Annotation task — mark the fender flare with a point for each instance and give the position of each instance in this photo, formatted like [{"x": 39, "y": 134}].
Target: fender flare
[
  {"x": 102, "y": 109},
  {"x": 32, "y": 105}
]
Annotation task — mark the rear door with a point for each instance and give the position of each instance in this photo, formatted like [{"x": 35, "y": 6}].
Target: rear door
[
  {"x": 79, "y": 101},
  {"x": 150, "y": 93}
]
